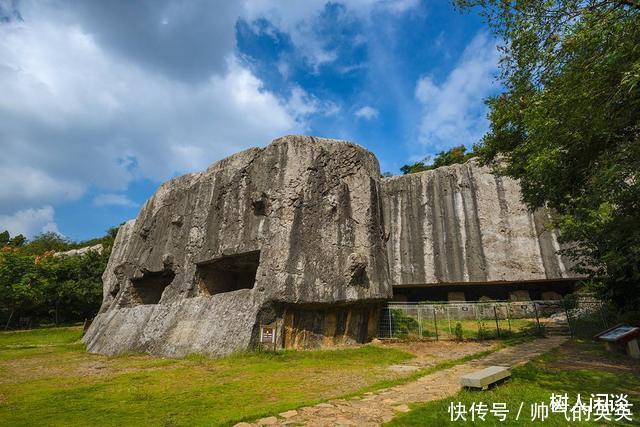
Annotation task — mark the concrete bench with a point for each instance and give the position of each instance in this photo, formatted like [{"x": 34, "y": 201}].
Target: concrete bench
[{"x": 484, "y": 378}]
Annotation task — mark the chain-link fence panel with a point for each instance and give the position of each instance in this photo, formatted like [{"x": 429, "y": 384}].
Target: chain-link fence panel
[{"x": 492, "y": 319}]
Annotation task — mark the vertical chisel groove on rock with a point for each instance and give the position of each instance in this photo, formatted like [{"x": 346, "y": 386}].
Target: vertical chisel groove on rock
[
  {"x": 452, "y": 232},
  {"x": 439, "y": 251},
  {"x": 545, "y": 243},
  {"x": 475, "y": 250}
]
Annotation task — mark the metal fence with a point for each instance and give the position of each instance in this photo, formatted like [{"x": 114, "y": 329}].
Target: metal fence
[{"x": 492, "y": 319}]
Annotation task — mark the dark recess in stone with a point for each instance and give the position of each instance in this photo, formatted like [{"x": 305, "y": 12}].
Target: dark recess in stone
[
  {"x": 259, "y": 207},
  {"x": 115, "y": 290},
  {"x": 359, "y": 277},
  {"x": 228, "y": 273},
  {"x": 148, "y": 289}
]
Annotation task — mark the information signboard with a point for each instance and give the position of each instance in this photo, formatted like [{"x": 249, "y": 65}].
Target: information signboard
[
  {"x": 267, "y": 334},
  {"x": 618, "y": 333}
]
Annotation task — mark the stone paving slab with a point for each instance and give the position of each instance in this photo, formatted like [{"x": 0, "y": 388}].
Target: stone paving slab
[{"x": 375, "y": 408}]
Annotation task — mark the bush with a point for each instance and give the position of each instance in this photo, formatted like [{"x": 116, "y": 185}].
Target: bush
[
  {"x": 403, "y": 324},
  {"x": 458, "y": 332},
  {"x": 38, "y": 287}
]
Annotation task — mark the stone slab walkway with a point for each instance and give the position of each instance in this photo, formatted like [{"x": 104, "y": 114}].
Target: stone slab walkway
[{"x": 375, "y": 408}]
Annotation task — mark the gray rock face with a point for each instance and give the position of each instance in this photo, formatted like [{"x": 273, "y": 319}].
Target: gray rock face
[
  {"x": 304, "y": 237},
  {"x": 290, "y": 236},
  {"x": 80, "y": 251},
  {"x": 461, "y": 223}
]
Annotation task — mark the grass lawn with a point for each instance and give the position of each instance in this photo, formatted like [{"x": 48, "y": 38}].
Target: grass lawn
[
  {"x": 47, "y": 378},
  {"x": 471, "y": 329},
  {"x": 577, "y": 367}
]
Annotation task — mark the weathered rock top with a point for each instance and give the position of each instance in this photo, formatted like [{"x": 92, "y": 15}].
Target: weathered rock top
[{"x": 297, "y": 223}]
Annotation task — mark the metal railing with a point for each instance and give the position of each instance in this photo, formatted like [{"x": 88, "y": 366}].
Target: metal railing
[{"x": 491, "y": 319}]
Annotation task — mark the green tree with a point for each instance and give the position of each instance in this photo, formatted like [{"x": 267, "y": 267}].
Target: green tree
[
  {"x": 443, "y": 158},
  {"x": 458, "y": 332},
  {"x": 568, "y": 125},
  {"x": 17, "y": 241},
  {"x": 20, "y": 285},
  {"x": 416, "y": 167},
  {"x": 47, "y": 288},
  {"x": 72, "y": 285},
  {"x": 4, "y": 238},
  {"x": 46, "y": 242}
]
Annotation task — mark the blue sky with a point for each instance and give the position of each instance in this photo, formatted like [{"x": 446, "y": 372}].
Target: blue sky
[{"x": 103, "y": 101}]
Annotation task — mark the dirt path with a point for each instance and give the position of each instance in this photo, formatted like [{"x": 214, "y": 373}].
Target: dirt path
[{"x": 375, "y": 408}]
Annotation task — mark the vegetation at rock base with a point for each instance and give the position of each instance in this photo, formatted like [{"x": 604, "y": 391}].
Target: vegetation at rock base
[
  {"x": 458, "y": 332},
  {"x": 37, "y": 287},
  {"x": 568, "y": 125},
  {"x": 402, "y": 324},
  {"x": 443, "y": 158}
]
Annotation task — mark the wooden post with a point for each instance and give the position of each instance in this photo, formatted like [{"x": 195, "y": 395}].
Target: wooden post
[
  {"x": 275, "y": 335},
  {"x": 605, "y": 324},
  {"x": 495, "y": 313}
]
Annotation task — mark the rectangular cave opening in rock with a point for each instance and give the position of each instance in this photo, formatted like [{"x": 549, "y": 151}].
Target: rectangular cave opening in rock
[
  {"x": 148, "y": 289},
  {"x": 228, "y": 273}
]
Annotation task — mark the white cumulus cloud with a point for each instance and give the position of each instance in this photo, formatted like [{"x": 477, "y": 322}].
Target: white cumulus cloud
[
  {"x": 75, "y": 114},
  {"x": 98, "y": 95},
  {"x": 298, "y": 19},
  {"x": 367, "y": 113},
  {"x": 112, "y": 199},
  {"x": 29, "y": 222},
  {"x": 453, "y": 112}
]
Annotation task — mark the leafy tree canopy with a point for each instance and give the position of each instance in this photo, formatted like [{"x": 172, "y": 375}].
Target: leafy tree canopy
[
  {"x": 50, "y": 241},
  {"x": 17, "y": 241},
  {"x": 568, "y": 125},
  {"x": 444, "y": 158},
  {"x": 44, "y": 288},
  {"x": 46, "y": 242},
  {"x": 7, "y": 240}
]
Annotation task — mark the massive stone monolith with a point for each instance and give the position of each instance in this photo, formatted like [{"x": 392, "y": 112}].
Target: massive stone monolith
[
  {"x": 463, "y": 224},
  {"x": 290, "y": 236}
]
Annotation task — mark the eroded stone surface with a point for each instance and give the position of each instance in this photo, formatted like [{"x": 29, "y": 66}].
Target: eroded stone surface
[
  {"x": 461, "y": 223},
  {"x": 290, "y": 235}
]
